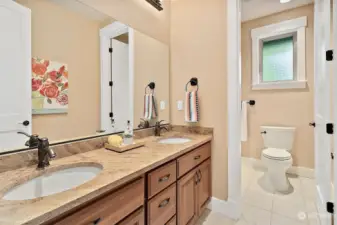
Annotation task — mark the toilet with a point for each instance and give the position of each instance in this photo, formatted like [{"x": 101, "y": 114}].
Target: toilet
[{"x": 276, "y": 156}]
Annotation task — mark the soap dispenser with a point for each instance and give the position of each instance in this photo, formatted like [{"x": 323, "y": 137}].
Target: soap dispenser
[{"x": 128, "y": 134}]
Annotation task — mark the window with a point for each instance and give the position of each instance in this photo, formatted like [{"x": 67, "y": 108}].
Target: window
[
  {"x": 278, "y": 56},
  {"x": 278, "y": 60}
]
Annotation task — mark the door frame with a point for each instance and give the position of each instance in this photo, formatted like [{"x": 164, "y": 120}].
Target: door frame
[
  {"x": 108, "y": 32},
  {"x": 234, "y": 202},
  {"x": 234, "y": 106}
]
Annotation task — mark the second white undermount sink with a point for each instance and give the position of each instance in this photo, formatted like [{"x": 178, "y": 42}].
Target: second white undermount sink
[
  {"x": 53, "y": 183},
  {"x": 174, "y": 140}
]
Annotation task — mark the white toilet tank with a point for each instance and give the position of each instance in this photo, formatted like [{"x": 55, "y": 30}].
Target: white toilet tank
[{"x": 278, "y": 137}]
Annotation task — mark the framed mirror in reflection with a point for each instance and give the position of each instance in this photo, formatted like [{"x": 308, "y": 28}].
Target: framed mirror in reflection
[{"x": 74, "y": 72}]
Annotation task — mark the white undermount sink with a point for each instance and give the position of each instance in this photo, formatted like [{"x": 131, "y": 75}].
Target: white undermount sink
[
  {"x": 53, "y": 183},
  {"x": 174, "y": 140}
]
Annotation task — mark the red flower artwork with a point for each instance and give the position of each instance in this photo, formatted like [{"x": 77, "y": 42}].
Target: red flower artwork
[
  {"x": 39, "y": 68},
  {"x": 49, "y": 86},
  {"x": 50, "y": 90},
  {"x": 36, "y": 84},
  {"x": 62, "y": 99}
]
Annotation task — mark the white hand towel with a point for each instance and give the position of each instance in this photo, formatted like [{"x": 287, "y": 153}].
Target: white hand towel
[
  {"x": 146, "y": 107},
  {"x": 244, "y": 121}
]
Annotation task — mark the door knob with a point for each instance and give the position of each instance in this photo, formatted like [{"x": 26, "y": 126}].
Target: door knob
[
  {"x": 313, "y": 124},
  {"x": 25, "y": 123}
]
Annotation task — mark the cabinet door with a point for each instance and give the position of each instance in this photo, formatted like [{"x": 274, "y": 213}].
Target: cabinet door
[
  {"x": 204, "y": 185},
  {"x": 137, "y": 218},
  {"x": 187, "y": 199}
]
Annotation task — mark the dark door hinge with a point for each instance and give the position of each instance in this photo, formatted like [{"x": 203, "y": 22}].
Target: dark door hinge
[
  {"x": 332, "y": 155},
  {"x": 312, "y": 124},
  {"x": 111, "y": 83},
  {"x": 111, "y": 115},
  {"x": 330, "y": 207},
  {"x": 329, "y": 55},
  {"x": 329, "y": 128},
  {"x": 110, "y": 50}
]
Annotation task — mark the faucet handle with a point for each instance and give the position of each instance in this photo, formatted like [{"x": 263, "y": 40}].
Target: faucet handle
[{"x": 33, "y": 141}]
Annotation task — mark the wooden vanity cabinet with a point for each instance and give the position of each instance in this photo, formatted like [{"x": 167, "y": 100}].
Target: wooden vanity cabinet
[
  {"x": 109, "y": 209},
  {"x": 194, "y": 191},
  {"x": 136, "y": 218},
  {"x": 175, "y": 193},
  {"x": 187, "y": 199},
  {"x": 204, "y": 189}
]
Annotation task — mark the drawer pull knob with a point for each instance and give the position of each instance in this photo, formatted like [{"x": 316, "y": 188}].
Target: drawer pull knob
[
  {"x": 164, "y": 178},
  {"x": 164, "y": 203},
  {"x": 197, "y": 157},
  {"x": 95, "y": 222}
]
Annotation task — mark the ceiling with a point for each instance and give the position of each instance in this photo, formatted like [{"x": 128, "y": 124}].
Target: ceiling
[{"x": 252, "y": 9}]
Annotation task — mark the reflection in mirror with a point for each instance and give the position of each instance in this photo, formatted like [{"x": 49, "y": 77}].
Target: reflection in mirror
[{"x": 81, "y": 74}]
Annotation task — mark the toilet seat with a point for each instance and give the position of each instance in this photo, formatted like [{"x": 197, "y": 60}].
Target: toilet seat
[{"x": 276, "y": 154}]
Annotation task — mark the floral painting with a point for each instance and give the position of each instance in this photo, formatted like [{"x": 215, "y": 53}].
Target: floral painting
[{"x": 49, "y": 86}]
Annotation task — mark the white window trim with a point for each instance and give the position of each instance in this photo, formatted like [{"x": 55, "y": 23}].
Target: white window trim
[{"x": 297, "y": 26}]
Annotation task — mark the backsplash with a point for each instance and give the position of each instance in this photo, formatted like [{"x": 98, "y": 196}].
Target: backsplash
[{"x": 17, "y": 160}]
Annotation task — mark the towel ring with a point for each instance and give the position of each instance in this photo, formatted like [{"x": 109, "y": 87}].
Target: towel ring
[
  {"x": 193, "y": 82},
  {"x": 151, "y": 85}
]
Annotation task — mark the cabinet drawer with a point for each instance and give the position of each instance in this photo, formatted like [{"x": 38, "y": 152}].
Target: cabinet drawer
[
  {"x": 173, "y": 221},
  {"x": 109, "y": 209},
  {"x": 162, "y": 207},
  {"x": 194, "y": 158},
  {"x": 136, "y": 218},
  {"x": 161, "y": 178}
]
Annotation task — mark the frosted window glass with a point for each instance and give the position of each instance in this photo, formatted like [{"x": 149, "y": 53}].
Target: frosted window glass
[{"x": 278, "y": 60}]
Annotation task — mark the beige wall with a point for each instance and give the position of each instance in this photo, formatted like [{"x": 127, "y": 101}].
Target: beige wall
[
  {"x": 280, "y": 107},
  {"x": 64, "y": 36},
  {"x": 151, "y": 65},
  {"x": 138, "y": 14},
  {"x": 198, "y": 49}
]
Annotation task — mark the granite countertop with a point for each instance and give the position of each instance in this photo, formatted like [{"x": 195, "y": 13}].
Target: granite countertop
[{"x": 118, "y": 169}]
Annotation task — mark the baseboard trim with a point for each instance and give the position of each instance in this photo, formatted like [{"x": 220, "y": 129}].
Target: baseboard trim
[
  {"x": 227, "y": 208},
  {"x": 294, "y": 170}
]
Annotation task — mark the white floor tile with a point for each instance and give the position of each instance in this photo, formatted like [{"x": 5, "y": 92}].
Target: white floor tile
[
  {"x": 258, "y": 198},
  {"x": 281, "y": 220},
  {"x": 256, "y": 216},
  {"x": 214, "y": 218}
]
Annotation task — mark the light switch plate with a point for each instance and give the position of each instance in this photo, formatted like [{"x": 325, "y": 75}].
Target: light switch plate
[
  {"x": 180, "y": 105},
  {"x": 162, "y": 105}
]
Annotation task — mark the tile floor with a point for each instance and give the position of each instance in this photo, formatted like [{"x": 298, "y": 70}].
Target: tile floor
[{"x": 263, "y": 208}]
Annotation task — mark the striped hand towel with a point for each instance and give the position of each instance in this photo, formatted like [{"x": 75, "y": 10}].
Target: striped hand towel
[
  {"x": 192, "y": 107},
  {"x": 150, "y": 108}
]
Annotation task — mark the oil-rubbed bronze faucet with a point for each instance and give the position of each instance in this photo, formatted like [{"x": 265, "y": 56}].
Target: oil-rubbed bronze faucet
[
  {"x": 158, "y": 128},
  {"x": 44, "y": 152}
]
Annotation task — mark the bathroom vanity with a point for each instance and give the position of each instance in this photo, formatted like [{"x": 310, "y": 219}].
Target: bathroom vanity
[{"x": 155, "y": 184}]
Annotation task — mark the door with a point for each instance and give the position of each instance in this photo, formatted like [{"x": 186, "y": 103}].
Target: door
[
  {"x": 116, "y": 98},
  {"x": 187, "y": 199},
  {"x": 204, "y": 185},
  {"x": 15, "y": 74},
  {"x": 121, "y": 83},
  {"x": 322, "y": 108}
]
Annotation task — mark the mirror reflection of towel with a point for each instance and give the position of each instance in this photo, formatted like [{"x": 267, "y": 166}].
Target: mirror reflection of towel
[
  {"x": 150, "y": 107},
  {"x": 192, "y": 107}
]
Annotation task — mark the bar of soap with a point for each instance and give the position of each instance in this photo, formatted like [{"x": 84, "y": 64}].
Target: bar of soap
[{"x": 115, "y": 140}]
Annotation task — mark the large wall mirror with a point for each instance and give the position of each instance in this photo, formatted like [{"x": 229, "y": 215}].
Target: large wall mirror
[{"x": 74, "y": 72}]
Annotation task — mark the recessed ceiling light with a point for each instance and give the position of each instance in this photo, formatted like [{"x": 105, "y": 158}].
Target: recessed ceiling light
[{"x": 284, "y": 1}]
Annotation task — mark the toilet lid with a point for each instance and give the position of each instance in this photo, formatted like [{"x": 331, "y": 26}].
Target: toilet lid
[{"x": 276, "y": 154}]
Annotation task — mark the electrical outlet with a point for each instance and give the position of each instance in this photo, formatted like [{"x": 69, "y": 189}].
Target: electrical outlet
[
  {"x": 162, "y": 105},
  {"x": 180, "y": 105}
]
